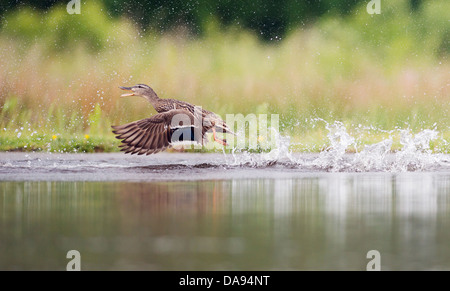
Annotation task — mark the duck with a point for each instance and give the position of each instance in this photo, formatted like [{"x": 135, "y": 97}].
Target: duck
[{"x": 175, "y": 121}]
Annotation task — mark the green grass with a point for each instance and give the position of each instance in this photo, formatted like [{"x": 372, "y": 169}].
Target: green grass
[
  {"x": 59, "y": 76},
  {"x": 61, "y": 143}
]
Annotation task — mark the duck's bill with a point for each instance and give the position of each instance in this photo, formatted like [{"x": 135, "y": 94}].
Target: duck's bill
[{"x": 126, "y": 94}]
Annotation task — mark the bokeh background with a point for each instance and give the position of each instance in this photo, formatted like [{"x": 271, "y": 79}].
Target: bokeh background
[{"x": 304, "y": 60}]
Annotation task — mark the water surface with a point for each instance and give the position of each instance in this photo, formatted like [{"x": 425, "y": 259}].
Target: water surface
[{"x": 215, "y": 212}]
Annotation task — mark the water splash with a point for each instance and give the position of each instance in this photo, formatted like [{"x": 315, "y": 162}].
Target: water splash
[
  {"x": 415, "y": 153},
  {"x": 373, "y": 157},
  {"x": 333, "y": 157},
  {"x": 279, "y": 153},
  {"x": 401, "y": 151}
]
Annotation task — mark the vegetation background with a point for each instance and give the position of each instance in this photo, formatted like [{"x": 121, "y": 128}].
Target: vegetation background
[{"x": 312, "y": 62}]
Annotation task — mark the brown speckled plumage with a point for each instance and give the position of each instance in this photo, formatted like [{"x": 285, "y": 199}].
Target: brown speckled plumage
[{"x": 155, "y": 134}]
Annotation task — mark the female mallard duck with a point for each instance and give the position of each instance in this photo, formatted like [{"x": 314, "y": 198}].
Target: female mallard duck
[{"x": 176, "y": 121}]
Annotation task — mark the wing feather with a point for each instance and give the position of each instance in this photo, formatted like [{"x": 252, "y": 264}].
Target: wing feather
[{"x": 150, "y": 135}]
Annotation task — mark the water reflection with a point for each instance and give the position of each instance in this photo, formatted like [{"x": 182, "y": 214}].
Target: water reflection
[{"x": 325, "y": 222}]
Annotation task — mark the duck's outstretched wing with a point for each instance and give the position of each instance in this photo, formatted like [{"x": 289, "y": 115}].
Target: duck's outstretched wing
[{"x": 154, "y": 134}]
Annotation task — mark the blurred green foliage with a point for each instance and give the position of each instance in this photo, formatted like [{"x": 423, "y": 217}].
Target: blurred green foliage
[
  {"x": 93, "y": 29},
  {"x": 269, "y": 19},
  {"x": 401, "y": 26},
  {"x": 59, "y": 73}
]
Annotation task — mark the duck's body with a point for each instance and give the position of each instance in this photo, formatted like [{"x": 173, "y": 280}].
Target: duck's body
[
  {"x": 176, "y": 121},
  {"x": 217, "y": 124}
]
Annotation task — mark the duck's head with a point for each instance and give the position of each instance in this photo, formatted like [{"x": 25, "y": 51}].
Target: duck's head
[{"x": 139, "y": 90}]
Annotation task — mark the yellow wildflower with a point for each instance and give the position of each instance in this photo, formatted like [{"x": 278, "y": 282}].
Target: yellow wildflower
[
  {"x": 86, "y": 136},
  {"x": 54, "y": 137}
]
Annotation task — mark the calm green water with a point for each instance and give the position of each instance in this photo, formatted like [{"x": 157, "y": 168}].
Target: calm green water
[{"x": 324, "y": 221}]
